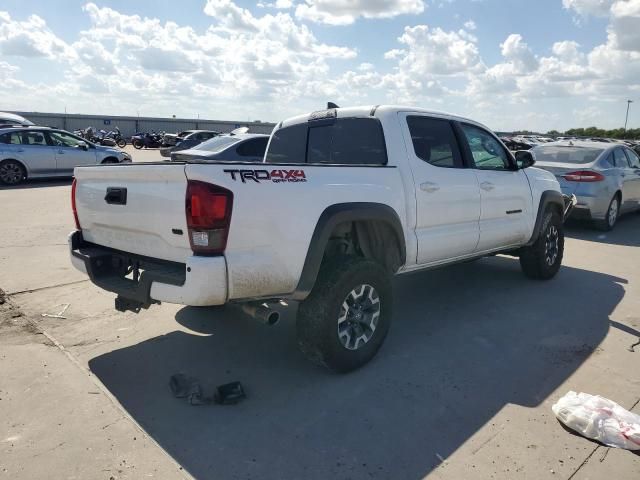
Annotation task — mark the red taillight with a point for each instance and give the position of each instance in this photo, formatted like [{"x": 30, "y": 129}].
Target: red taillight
[
  {"x": 583, "y": 176},
  {"x": 208, "y": 210},
  {"x": 73, "y": 204}
]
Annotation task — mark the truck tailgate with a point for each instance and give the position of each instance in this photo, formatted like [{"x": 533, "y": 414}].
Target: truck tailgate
[{"x": 135, "y": 208}]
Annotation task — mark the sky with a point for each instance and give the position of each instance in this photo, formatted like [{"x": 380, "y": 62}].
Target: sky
[{"x": 511, "y": 64}]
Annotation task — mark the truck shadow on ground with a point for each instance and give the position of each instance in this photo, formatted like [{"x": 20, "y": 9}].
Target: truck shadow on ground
[
  {"x": 626, "y": 231},
  {"x": 465, "y": 342}
]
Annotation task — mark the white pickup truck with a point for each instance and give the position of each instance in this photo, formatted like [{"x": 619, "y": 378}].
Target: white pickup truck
[{"x": 345, "y": 199}]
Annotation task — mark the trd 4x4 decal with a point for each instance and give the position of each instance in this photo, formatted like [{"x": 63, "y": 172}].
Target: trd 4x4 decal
[{"x": 275, "y": 176}]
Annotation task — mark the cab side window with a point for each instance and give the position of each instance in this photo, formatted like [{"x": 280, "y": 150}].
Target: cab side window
[
  {"x": 434, "y": 141},
  {"x": 486, "y": 151}
]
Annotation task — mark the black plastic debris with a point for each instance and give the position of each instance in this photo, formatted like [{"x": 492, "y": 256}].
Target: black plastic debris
[
  {"x": 230, "y": 393},
  {"x": 186, "y": 386}
]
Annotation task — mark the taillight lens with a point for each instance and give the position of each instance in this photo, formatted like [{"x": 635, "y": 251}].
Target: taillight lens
[
  {"x": 208, "y": 210},
  {"x": 73, "y": 204},
  {"x": 583, "y": 176}
]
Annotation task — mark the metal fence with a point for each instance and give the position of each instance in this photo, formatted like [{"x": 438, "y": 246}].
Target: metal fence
[{"x": 130, "y": 125}]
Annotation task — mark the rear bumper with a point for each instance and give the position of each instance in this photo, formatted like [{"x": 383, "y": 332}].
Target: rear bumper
[
  {"x": 200, "y": 281},
  {"x": 591, "y": 207},
  {"x": 166, "y": 151}
]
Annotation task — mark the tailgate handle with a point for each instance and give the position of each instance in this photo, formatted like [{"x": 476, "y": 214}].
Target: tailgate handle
[{"x": 116, "y": 196}]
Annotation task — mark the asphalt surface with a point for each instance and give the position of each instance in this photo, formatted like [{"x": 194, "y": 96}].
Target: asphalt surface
[{"x": 462, "y": 388}]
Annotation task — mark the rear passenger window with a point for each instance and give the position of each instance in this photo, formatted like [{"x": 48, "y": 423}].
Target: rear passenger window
[
  {"x": 434, "y": 141},
  {"x": 10, "y": 138},
  {"x": 634, "y": 160},
  {"x": 253, "y": 148},
  {"x": 607, "y": 162},
  {"x": 620, "y": 158},
  {"x": 358, "y": 141},
  {"x": 343, "y": 141}
]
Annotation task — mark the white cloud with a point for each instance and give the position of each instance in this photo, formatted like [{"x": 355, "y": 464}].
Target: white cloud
[
  {"x": 589, "y": 7},
  {"x": 470, "y": 25},
  {"x": 30, "y": 38},
  {"x": 345, "y": 12},
  {"x": 516, "y": 51},
  {"x": 435, "y": 52},
  {"x": 624, "y": 29}
]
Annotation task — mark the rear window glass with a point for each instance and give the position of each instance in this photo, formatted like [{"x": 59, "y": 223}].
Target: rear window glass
[
  {"x": 344, "y": 141},
  {"x": 11, "y": 138},
  {"x": 553, "y": 154},
  {"x": 217, "y": 144},
  {"x": 288, "y": 145}
]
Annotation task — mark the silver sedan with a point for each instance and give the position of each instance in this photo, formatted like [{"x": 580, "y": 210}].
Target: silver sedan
[
  {"x": 33, "y": 152},
  {"x": 605, "y": 177}
]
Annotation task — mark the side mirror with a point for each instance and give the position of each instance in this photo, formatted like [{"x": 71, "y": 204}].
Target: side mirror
[
  {"x": 82, "y": 145},
  {"x": 524, "y": 159}
]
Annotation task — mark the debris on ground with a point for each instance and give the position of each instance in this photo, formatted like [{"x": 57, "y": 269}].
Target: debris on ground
[
  {"x": 186, "y": 386},
  {"x": 600, "y": 419},
  {"x": 60, "y": 314}
]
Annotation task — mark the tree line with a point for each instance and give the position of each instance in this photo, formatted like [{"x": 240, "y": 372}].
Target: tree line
[{"x": 629, "y": 134}]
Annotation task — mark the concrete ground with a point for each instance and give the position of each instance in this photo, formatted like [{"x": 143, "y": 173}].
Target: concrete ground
[{"x": 462, "y": 388}]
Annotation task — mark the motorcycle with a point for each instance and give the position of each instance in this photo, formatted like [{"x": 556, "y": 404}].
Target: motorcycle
[
  {"x": 147, "y": 140},
  {"x": 116, "y": 135}
]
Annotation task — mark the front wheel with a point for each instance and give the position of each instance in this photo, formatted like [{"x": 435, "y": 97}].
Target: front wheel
[
  {"x": 122, "y": 143},
  {"x": 346, "y": 317},
  {"x": 137, "y": 144},
  {"x": 542, "y": 260}
]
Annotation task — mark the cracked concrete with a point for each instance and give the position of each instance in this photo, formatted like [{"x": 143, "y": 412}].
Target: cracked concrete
[{"x": 463, "y": 387}]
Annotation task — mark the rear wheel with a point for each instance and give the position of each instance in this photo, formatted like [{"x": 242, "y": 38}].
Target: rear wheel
[
  {"x": 137, "y": 144},
  {"x": 542, "y": 260},
  {"x": 346, "y": 317},
  {"x": 12, "y": 172},
  {"x": 122, "y": 143},
  {"x": 611, "y": 217}
]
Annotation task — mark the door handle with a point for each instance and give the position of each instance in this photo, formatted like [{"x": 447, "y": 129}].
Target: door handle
[
  {"x": 429, "y": 187},
  {"x": 487, "y": 186}
]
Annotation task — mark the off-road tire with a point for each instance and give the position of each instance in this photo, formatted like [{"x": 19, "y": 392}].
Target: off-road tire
[
  {"x": 610, "y": 218},
  {"x": 318, "y": 314},
  {"x": 534, "y": 259}
]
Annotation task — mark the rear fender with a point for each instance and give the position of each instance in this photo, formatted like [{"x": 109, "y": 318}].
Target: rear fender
[{"x": 330, "y": 218}]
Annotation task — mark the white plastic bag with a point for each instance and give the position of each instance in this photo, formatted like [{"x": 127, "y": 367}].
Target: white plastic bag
[{"x": 599, "y": 419}]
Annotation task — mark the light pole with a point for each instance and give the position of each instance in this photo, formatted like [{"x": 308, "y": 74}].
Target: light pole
[{"x": 629, "y": 102}]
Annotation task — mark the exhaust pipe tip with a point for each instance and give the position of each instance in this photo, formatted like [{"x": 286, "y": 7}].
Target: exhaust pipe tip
[
  {"x": 273, "y": 318},
  {"x": 262, "y": 313}
]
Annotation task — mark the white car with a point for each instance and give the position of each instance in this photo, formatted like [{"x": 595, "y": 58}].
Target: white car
[
  {"x": 39, "y": 152},
  {"x": 7, "y": 119},
  {"x": 345, "y": 199}
]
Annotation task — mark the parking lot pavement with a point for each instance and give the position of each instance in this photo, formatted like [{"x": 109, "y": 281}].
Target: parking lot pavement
[{"x": 463, "y": 387}]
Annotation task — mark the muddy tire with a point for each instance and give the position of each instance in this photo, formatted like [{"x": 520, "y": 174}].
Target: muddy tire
[
  {"x": 542, "y": 260},
  {"x": 345, "y": 319}
]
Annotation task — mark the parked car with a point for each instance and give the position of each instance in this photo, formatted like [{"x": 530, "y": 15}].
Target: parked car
[
  {"x": 604, "y": 176},
  {"x": 345, "y": 199},
  {"x": 243, "y": 147},
  {"x": 170, "y": 139},
  {"x": 35, "y": 152},
  {"x": 7, "y": 119},
  {"x": 189, "y": 141}
]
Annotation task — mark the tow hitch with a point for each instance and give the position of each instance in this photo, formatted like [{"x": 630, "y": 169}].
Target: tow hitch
[{"x": 570, "y": 201}]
